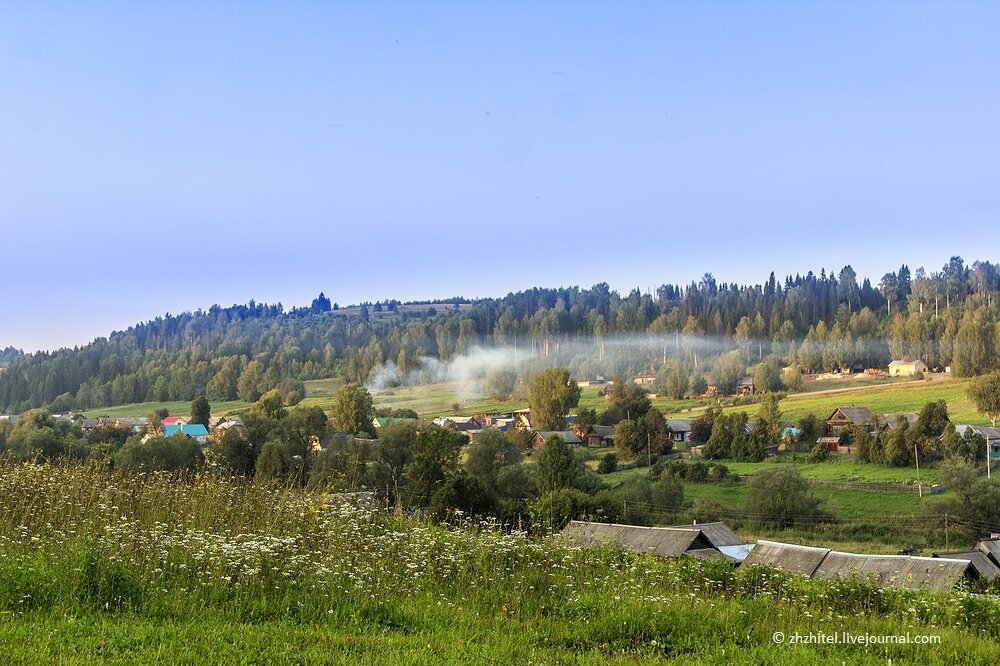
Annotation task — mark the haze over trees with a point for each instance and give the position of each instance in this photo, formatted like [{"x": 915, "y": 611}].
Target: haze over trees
[{"x": 813, "y": 323}]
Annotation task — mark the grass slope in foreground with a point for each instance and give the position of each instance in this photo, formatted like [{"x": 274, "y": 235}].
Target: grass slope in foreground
[{"x": 99, "y": 567}]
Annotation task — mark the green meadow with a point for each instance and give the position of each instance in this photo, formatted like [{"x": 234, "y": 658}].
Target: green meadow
[
  {"x": 432, "y": 400},
  {"x": 102, "y": 567}
]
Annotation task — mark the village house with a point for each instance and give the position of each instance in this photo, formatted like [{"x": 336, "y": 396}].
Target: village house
[
  {"x": 645, "y": 378},
  {"x": 906, "y": 367},
  {"x": 598, "y": 436},
  {"x": 680, "y": 429},
  {"x": 195, "y": 431},
  {"x": 746, "y": 386},
  {"x": 225, "y": 425},
  {"x": 500, "y": 421},
  {"x": 708, "y": 541},
  {"x": 889, "y": 422},
  {"x": 935, "y": 574},
  {"x": 567, "y": 436},
  {"x": 989, "y": 433},
  {"x": 380, "y": 422},
  {"x": 318, "y": 444},
  {"x": 847, "y": 417},
  {"x": 460, "y": 423}
]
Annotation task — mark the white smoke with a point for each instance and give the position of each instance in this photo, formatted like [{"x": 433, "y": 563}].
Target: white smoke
[{"x": 587, "y": 357}]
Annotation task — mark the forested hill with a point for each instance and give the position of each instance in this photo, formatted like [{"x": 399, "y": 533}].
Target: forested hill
[{"x": 820, "y": 322}]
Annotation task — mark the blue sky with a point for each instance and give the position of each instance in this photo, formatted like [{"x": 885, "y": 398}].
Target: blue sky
[{"x": 163, "y": 156}]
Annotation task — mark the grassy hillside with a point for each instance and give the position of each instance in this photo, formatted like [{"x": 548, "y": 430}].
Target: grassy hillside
[
  {"x": 433, "y": 400},
  {"x": 889, "y": 399},
  {"x": 99, "y": 567}
]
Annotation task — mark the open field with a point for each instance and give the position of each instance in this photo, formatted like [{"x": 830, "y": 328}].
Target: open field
[
  {"x": 846, "y": 504},
  {"x": 105, "y": 567},
  {"x": 434, "y": 400},
  {"x": 842, "y": 468},
  {"x": 177, "y": 408},
  {"x": 889, "y": 399}
]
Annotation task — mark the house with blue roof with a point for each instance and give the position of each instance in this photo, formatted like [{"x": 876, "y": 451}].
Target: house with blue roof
[{"x": 195, "y": 431}]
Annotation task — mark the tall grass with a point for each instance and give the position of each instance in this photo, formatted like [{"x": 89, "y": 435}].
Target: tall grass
[{"x": 245, "y": 571}]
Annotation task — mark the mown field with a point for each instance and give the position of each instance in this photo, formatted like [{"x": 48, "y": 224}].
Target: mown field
[{"x": 99, "y": 567}]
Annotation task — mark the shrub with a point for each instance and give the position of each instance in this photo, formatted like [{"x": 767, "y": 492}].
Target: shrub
[
  {"x": 819, "y": 453},
  {"x": 780, "y": 498},
  {"x": 719, "y": 472},
  {"x": 608, "y": 464}
]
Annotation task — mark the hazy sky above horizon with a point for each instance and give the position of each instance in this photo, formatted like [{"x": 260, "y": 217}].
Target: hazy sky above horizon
[{"x": 164, "y": 156}]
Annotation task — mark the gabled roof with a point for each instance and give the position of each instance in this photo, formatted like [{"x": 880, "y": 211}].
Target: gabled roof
[
  {"x": 679, "y": 425},
  {"x": 935, "y": 574},
  {"x": 567, "y": 436},
  {"x": 710, "y": 554},
  {"x": 889, "y": 420},
  {"x": 856, "y": 415},
  {"x": 984, "y": 567},
  {"x": 191, "y": 430},
  {"x": 718, "y": 533},
  {"x": 988, "y": 433},
  {"x": 661, "y": 541},
  {"x": 334, "y": 438},
  {"x": 991, "y": 547},
  {"x": 883, "y": 568},
  {"x": 788, "y": 557},
  {"x": 602, "y": 431},
  {"x": 235, "y": 422}
]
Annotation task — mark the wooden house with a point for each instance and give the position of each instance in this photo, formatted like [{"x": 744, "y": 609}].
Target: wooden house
[
  {"x": 645, "y": 378},
  {"x": 567, "y": 436},
  {"x": 846, "y": 417},
  {"x": 746, "y": 386},
  {"x": 599, "y": 436},
  {"x": 680, "y": 429}
]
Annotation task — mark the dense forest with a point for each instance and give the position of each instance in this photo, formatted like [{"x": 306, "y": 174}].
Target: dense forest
[{"x": 816, "y": 322}]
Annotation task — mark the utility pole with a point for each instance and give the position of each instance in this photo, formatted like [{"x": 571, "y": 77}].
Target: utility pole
[
  {"x": 920, "y": 488},
  {"x": 946, "y": 545}
]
